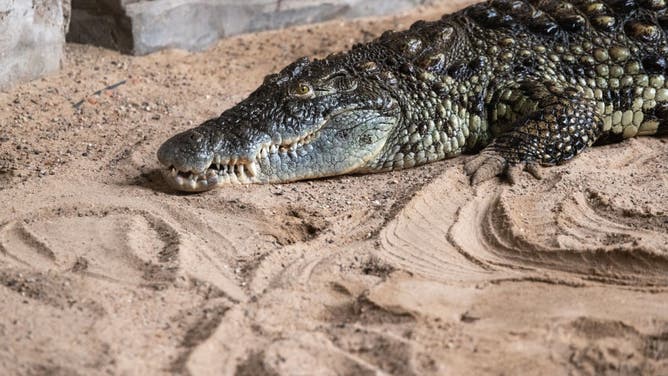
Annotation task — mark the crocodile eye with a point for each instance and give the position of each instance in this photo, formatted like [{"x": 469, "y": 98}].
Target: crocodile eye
[{"x": 302, "y": 89}]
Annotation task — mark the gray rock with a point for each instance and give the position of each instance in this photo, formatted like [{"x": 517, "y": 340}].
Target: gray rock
[
  {"x": 32, "y": 36},
  {"x": 144, "y": 26}
]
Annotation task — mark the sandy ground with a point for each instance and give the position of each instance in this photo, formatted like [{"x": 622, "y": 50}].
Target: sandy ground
[{"x": 104, "y": 270}]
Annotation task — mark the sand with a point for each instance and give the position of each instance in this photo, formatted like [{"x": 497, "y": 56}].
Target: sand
[{"x": 105, "y": 270}]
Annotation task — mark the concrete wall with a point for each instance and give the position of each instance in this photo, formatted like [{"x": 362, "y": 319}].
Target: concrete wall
[
  {"x": 32, "y": 35},
  {"x": 141, "y": 27}
]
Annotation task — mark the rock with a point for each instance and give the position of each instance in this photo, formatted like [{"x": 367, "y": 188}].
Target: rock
[
  {"x": 102, "y": 23},
  {"x": 32, "y": 36},
  {"x": 143, "y": 26}
]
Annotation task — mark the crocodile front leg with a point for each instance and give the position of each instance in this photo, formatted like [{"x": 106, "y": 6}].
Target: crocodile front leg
[{"x": 563, "y": 124}]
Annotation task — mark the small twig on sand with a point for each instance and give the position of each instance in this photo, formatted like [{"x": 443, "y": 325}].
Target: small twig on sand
[{"x": 99, "y": 92}]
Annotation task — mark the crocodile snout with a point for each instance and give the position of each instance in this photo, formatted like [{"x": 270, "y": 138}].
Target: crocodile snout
[{"x": 187, "y": 151}]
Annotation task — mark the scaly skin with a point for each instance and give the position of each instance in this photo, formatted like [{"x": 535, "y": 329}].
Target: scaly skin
[{"x": 524, "y": 82}]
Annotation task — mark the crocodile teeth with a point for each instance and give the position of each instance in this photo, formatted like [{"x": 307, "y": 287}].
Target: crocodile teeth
[
  {"x": 174, "y": 172},
  {"x": 252, "y": 169},
  {"x": 233, "y": 178}
]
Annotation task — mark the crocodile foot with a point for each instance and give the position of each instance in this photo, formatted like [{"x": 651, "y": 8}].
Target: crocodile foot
[{"x": 489, "y": 164}]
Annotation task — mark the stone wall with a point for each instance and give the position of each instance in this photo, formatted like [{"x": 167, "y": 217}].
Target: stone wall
[
  {"x": 32, "y": 35},
  {"x": 32, "y": 32},
  {"x": 144, "y": 26}
]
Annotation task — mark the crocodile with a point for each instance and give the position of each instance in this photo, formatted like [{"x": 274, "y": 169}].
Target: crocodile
[{"x": 519, "y": 84}]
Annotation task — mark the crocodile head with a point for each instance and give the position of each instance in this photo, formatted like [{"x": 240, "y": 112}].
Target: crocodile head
[{"x": 311, "y": 120}]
